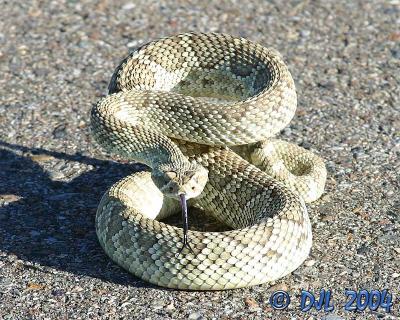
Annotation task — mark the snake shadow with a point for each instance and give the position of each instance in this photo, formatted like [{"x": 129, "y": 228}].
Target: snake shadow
[{"x": 51, "y": 223}]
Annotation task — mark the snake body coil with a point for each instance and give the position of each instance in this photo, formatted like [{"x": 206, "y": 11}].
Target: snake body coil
[{"x": 201, "y": 111}]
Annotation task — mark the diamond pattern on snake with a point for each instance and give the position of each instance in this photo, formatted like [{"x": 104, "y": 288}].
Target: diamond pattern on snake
[{"x": 202, "y": 110}]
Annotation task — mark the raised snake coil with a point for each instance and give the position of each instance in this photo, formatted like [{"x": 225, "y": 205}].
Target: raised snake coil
[{"x": 208, "y": 101}]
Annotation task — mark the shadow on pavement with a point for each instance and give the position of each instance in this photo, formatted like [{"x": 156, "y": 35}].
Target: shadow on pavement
[{"x": 51, "y": 222}]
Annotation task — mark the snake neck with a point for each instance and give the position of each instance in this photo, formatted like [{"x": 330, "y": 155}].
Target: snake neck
[{"x": 116, "y": 128}]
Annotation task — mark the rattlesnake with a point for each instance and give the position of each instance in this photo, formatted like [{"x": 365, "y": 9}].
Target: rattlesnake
[{"x": 201, "y": 110}]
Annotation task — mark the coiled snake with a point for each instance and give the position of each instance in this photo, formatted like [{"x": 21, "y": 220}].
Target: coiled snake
[{"x": 201, "y": 111}]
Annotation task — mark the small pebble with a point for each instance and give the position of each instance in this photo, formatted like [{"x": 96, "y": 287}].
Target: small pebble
[
  {"x": 41, "y": 157},
  {"x": 251, "y": 303},
  {"x": 195, "y": 316},
  {"x": 310, "y": 263}
]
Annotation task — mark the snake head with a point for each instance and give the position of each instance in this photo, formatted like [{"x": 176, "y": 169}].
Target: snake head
[{"x": 173, "y": 182}]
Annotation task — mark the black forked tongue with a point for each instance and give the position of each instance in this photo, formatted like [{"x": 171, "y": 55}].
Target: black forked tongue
[{"x": 185, "y": 240}]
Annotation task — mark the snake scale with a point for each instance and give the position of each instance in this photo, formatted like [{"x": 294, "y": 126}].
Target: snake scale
[{"x": 201, "y": 110}]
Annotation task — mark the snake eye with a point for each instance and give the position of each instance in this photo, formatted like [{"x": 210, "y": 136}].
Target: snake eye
[
  {"x": 171, "y": 174},
  {"x": 171, "y": 189}
]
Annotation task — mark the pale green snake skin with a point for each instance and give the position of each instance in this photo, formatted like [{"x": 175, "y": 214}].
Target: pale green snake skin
[{"x": 201, "y": 110}]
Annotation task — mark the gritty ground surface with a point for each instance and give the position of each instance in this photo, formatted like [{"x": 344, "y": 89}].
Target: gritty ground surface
[{"x": 56, "y": 58}]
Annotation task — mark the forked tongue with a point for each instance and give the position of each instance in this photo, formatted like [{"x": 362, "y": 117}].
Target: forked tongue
[{"x": 185, "y": 240}]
